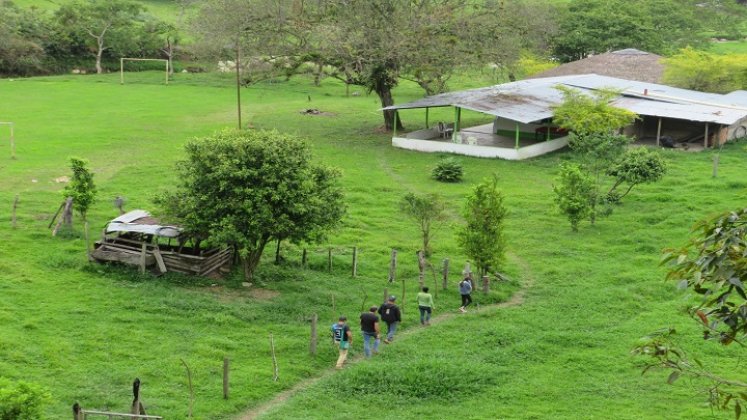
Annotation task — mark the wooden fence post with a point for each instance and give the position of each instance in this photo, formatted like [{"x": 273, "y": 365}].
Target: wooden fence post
[
  {"x": 77, "y": 412},
  {"x": 715, "y": 165},
  {"x": 329, "y": 260},
  {"x": 386, "y": 294},
  {"x": 191, "y": 390},
  {"x": 67, "y": 215},
  {"x": 355, "y": 261},
  {"x": 403, "y": 301},
  {"x": 226, "y": 371},
  {"x": 445, "y": 272},
  {"x": 12, "y": 143},
  {"x": 88, "y": 242},
  {"x": 274, "y": 360},
  {"x": 314, "y": 337},
  {"x": 15, "y": 205},
  {"x": 142, "y": 259},
  {"x": 486, "y": 284},
  {"x": 303, "y": 259},
  {"x": 393, "y": 266},
  {"x": 421, "y": 269}
]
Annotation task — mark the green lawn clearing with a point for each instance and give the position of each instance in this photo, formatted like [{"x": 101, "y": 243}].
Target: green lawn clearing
[{"x": 84, "y": 332}]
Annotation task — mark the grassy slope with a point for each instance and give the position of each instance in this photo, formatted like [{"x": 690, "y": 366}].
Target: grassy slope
[{"x": 85, "y": 332}]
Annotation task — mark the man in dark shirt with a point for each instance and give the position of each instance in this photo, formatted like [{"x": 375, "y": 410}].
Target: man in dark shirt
[
  {"x": 370, "y": 329},
  {"x": 390, "y": 314}
]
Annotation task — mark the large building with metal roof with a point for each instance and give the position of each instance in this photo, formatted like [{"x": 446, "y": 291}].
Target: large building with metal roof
[{"x": 522, "y": 114}]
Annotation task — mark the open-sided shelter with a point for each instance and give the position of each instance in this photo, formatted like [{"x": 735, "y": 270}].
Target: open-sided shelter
[
  {"x": 136, "y": 238},
  {"x": 523, "y": 125}
]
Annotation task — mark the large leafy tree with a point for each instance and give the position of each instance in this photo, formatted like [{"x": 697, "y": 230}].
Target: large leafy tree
[
  {"x": 660, "y": 26},
  {"x": 713, "y": 267},
  {"x": 102, "y": 23},
  {"x": 482, "y": 237},
  {"x": 22, "y": 36},
  {"x": 707, "y": 72},
  {"x": 247, "y": 188}
]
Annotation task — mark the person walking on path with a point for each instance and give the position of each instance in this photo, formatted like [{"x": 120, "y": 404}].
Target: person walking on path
[
  {"x": 465, "y": 289},
  {"x": 390, "y": 314},
  {"x": 370, "y": 330},
  {"x": 343, "y": 338},
  {"x": 426, "y": 306}
]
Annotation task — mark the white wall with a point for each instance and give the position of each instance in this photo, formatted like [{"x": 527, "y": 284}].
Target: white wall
[{"x": 480, "y": 151}]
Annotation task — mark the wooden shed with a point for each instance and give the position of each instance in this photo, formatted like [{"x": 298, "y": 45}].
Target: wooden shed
[{"x": 136, "y": 238}]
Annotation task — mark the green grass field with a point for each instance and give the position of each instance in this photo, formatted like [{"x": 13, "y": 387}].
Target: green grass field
[
  {"x": 85, "y": 331},
  {"x": 164, "y": 9},
  {"x": 729, "y": 47}
]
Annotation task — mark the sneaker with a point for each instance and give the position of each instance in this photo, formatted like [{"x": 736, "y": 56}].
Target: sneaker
[
  {"x": 462, "y": 310},
  {"x": 387, "y": 341}
]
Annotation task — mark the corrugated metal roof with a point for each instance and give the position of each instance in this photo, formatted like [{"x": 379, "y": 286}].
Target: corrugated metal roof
[
  {"x": 531, "y": 100},
  {"x": 128, "y": 222}
]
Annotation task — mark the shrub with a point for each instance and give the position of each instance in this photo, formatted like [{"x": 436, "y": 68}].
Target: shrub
[
  {"x": 448, "y": 170},
  {"x": 21, "y": 400},
  {"x": 575, "y": 194}
]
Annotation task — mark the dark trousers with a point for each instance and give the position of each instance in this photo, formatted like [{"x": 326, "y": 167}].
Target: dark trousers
[{"x": 466, "y": 300}]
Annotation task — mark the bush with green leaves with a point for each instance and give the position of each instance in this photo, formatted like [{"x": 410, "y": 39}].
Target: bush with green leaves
[
  {"x": 482, "y": 237},
  {"x": 637, "y": 166},
  {"x": 21, "y": 400},
  {"x": 448, "y": 170},
  {"x": 246, "y": 189},
  {"x": 81, "y": 187},
  {"x": 575, "y": 193}
]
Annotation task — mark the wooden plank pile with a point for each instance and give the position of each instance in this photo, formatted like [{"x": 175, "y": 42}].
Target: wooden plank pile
[{"x": 145, "y": 252}]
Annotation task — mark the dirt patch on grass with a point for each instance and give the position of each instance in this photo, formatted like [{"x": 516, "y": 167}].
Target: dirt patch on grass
[
  {"x": 316, "y": 112},
  {"x": 263, "y": 294}
]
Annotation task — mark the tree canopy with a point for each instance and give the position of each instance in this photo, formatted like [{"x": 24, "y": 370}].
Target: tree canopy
[
  {"x": 247, "y": 188},
  {"x": 660, "y": 26},
  {"x": 482, "y": 237}
]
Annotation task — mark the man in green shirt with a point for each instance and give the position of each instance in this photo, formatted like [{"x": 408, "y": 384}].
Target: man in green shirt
[{"x": 426, "y": 306}]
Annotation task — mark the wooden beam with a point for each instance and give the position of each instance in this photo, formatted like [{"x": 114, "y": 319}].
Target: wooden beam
[
  {"x": 658, "y": 132},
  {"x": 394, "y": 130},
  {"x": 705, "y": 139},
  {"x": 517, "y": 136},
  {"x": 457, "y": 123}
]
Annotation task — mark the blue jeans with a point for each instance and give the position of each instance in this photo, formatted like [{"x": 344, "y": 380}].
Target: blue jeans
[
  {"x": 391, "y": 328},
  {"x": 367, "y": 337},
  {"x": 425, "y": 314}
]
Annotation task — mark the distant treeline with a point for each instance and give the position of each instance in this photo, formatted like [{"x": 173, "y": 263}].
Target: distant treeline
[
  {"x": 37, "y": 42},
  {"x": 92, "y": 35}
]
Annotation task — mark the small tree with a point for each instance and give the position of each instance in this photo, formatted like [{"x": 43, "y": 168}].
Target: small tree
[
  {"x": 21, "y": 400},
  {"x": 713, "y": 266},
  {"x": 637, "y": 166},
  {"x": 248, "y": 188},
  {"x": 81, "y": 187},
  {"x": 575, "y": 194},
  {"x": 593, "y": 123},
  {"x": 101, "y": 21},
  {"x": 428, "y": 211},
  {"x": 482, "y": 237}
]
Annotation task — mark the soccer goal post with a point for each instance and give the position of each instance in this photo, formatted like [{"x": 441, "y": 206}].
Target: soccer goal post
[
  {"x": 121, "y": 66},
  {"x": 12, "y": 139}
]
